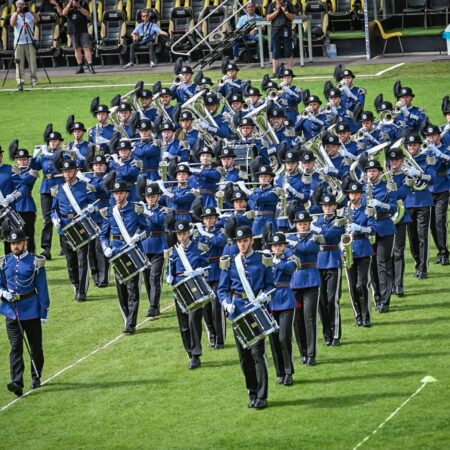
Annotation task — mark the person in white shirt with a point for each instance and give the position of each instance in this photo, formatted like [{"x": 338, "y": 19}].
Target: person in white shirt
[{"x": 250, "y": 9}]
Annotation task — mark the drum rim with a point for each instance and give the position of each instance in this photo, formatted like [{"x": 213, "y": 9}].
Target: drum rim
[{"x": 126, "y": 247}]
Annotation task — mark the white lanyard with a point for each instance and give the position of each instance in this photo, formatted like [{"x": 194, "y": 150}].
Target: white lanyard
[
  {"x": 123, "y": 229},
  {"x": 71, "y": 198}
]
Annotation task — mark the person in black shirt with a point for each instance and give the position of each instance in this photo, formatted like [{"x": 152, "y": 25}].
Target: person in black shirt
[
  {"x": 50, "y": 6},
  {"x": 77, "y": 14},
  {"x": 281, "y": 13}
]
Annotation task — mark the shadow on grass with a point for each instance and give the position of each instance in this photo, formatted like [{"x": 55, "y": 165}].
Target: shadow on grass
[
  {"x": 344, "y": 378},
  {"x": 382, "y": 357},
  {"x": 150, "y": 329},
  {"x": 424, "y": 337},
  {"x": 343, "y": 401},
  {"x": 53, "y": 387},
  {"x": 423, "y": 321},
  {"x": 230, "y": 362}
]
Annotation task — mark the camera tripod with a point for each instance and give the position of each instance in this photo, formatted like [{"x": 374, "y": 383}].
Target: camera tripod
[{"x": 28, "y": 37}]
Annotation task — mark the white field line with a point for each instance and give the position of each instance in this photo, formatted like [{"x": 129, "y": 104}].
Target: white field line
[
  {"x": 65, "y": 369},
  {"x": 379, "y": 427},
  {"x": 107, "y": 86}
]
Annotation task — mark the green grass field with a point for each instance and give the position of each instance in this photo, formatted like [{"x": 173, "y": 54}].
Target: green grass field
[{"x": 136, "y": 392}]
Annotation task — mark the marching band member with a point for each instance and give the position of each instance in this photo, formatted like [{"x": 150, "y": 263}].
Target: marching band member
[
  {"x": 440, "y": 192},
  {"x": 381, "y": 205},
  {"x": 78, "y": 148},
  {"x": 282, "y": 307},
  {"x": 329, "y": 263},
  {"x": 101, "y": 133},
  {"x": 337, "y": 155},
  {"x": 254, "y": 98},
  {"x": 126, "y": 126},
  {"x": 220, "y": 128},
  {"x": 445, "y": 135},
  {"x": 231, "y": 85},
  {"x": 180, "y": 197},
  {"x": 206, "y": 177},
  {"x": 98, "y": 263},
  {"x": 44, "y": 159},
  {"x": 295, "y": 185},
  {"x": 371, "y": 136},
  {"x": 121, "y": 222},
  {"x": 214, "y": 239},
  {"x": 125, "y": 166},
  {"x": 170, "y": 147},
  {"x": 351, "y": 95},
  {"x": 190, "y": 324},
  {"x": 246, "y": 131},
  {"x": 316, "y": 121},
  {"x": 291, "y": 96},
  {"x": 165, "y": 98},
  {"x": 232, "y": 172},
  {"x": 334, "y": 96},
  {"x": 190, "y": 134},
  {"x": 410, "y": 117},
  {"x": 146, "y": 151},
  {"x": 69, "y": 201},
  {"x": 344, "y": 132},
  {"x": 246, "y": 278},
  {"x": 25, "y": 303},
  {"x": 305, "y": 284},
  {"x": 154, "y": 246},
  {"x": 359, "y": 227},
  {"x": 146, "y": 98},
  {"x": 25, "y": 205},
  {"x": 418, "y": 205},
  {"x": 307, "y": 162},
  {"x": 186, "y": 88},
  {"x": 388, "y": 130},
  {"x": 285, "y": 133}
]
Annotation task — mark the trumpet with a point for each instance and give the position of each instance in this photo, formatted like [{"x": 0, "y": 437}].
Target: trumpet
[
  {"x": 245, "y": 107},
  {"x": 272, "y": 93},
  {"x": 227, "y": 80},
  {"x": 305, "y": 114},
  {"x": 177, "y": 80}
]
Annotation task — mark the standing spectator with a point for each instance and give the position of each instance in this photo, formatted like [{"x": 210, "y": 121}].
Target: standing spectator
[
  {"x": 77, "y": 14},
  {"x": 144, "y": 35},
  {"x": 281, "y": 13},
  {"x": 252, "y": 35},
  {"x": 23, "y": 23},
  {"x": 50, "y": 6}
]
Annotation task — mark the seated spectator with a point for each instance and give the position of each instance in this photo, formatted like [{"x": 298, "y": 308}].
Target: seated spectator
[{"x": 250, "y": 9}]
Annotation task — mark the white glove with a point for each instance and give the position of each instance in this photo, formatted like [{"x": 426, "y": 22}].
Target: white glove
[
  {"x": 79, "y": 155},
  {"x": 376, "y": 203},
  {"x": 204, "y": 124},
  {"x": 90, "y": 208},
  {"x": 263, "y": 298},
  {"x": 196, "y": 169},
  {"x": 243, "y": 187},
  {"x": 57, "y": 223},
  {"x": 294, "y": 191},
  {"x": 330, "y": 171},
  {"x": 355, "y": 228},
  {"x": 250, "y": 214},
  {"x": 228, "y": 307},
  {"x": 166, "y": 155},
  {"x": 413, "y": 172},
  {"x": 405, "y": 111},
  {"x": 134, "y": 239},
  {"x": 37, "y": 151},
  {"x": 315, "y": 228},
  {"x": 166, "y": 192},
  {"x": 6, "y": 295},
  {"x": 44, "y": 321},
  {"x": 117, "y": 160},
  {"x": 8, "y": 199},
  {"x": 271, "y": 151},
  {"x": 346, "y": 154},
  {"x": 107, "y": 251},
  {"x": 318, "y": 238}
]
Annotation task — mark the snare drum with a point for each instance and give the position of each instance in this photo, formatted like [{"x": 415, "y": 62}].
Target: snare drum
[
  {"x": 193, "y": 292},
  {"x": 254, "y": 325},
  {"x": 15, "y": 221},
  {"x": 80, "y": 231},
  {"x": 128, "y": 263}
]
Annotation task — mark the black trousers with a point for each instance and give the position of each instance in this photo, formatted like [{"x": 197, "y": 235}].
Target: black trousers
[
  {"x": 329, "y": 303},
  {"x": 305, "y": 321},
  {"x": 253, "y": 363},
  {"x": 30, "y": 221},
  {"x": 135, "y": 45},
  {"x": 153, "y": 278},
  {"x": 47, "y": 229},
  {"x": 129, "y": 300},
  {"x": 418, "y": 236},
  {"x": 214, "y": 318},
  {"x": 98, "y": 263},
  {"x": 438, "y": 223},
  {"x": 33, "y": 330},
  {"x": 399, "y": 260},
  {"x": 281, "y": 342},
  {"x": 359, "y": 280},
  {"x": 382, "y": 270},
  {"x": 191, "y": 330},
  {"x": 77, "y": 265}
]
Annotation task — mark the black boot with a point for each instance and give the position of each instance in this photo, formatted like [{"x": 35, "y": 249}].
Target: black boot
[{"x": 80, "y": 69}]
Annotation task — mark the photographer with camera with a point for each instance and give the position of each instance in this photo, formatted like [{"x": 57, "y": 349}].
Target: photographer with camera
[
  {"x": 144, "y": 35},
  {"x": 281, "y": 13},
  {"x": 23, "y": 22},
  {"x": 78, "y": 15}
]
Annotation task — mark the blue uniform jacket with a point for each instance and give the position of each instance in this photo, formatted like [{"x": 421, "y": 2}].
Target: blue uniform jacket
[
  {"x": 311, "y": 127},
  {"x": 264, "y": 201},
  {"x": 414, "y": 122},
  {"x": 401, "y": 193},
  {"x": 330, "y": 254},
  {"x": 82, "y": 148},
  {"x": 133, "y": 222},
  {"x": 306, "y": 250},
  {"x": 441, "y": 180},
  {"x": 25, "y": 274},
  {"x": 150, "y": 113},
  {"x": 290, "y": 102},
  {"x": 226, "y": 89},
  {"x": 183, "y": 92},
  {"x": 216, "y": 245},
  {"x": 283, "y": 270},
  {"x": 103, "y": 197},
  {"x": 361, "y": 242},
  {"x": 150, "y": 155},
  {"x": 157, "y": 240},
  {"x": 52, "y": 176},
  {"x": 24, "y": 182},
  {"x": 97, "y": 134},
  {"x": 259, "y": 275},
  {"x": 206, "y": 181},
  {"x": 126, "y": 171},
  {"x": 196, "y": 258},
  {"x": 420, "y": 199},
  {"x": 181, "y": 202},
  {"x": 349, "y": 102}
]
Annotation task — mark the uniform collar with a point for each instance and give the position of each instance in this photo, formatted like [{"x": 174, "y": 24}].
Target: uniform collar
[
  {"x": 248, "y": 254},
  {"x": 22, "y": 255},
  {"x": 124, "y": 205},
  {"x": 189, "y": 242}
]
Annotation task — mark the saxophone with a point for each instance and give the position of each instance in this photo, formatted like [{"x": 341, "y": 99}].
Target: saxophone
[{"x": 346, "y": 243}]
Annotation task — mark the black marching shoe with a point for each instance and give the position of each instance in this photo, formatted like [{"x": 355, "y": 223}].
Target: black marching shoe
[
  {"x": 366, "y": 323},
  {"x": 358, "y": 322},
  {"x": 399, "y": 291},
  {"x": 219, "y": 346},
  {"x": 195, "y": 363},
  {"x": 328, "y": 342},
  {"x": 261, "y": 404},
  {"x": 91, "y": 69},
  {"x": 80, "y": 297},
  {"x": 251, "y": 403},
  {"x": 444, "y": 261},
  {"x": 36, "y": 383},
  {"x": 288, "y": 381},
  {"x": 281, "y": 379},
  {"x": 46, "y": 253},
  {"x": 336, "y": 342},
  {"x": 153, "y": 311},
  {"x": 16, "y": 388},
  {"x": 304, "y": 360},
  {"x": 80, "y": 69},
  {"x": 422, "y": 276},
  {"x": 311, "y": 361},
  {"x": 129, "y": 329},
  {"x": 383, "y": 309}
]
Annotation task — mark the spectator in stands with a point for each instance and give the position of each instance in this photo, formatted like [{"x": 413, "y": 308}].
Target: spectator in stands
[
  {"x": 144, "y": 35},
  {"x": 23, "y": 23},
  {"x": 251, "y": 14},
  {"x": 50, "y": 6},
  {"x": 281, "y": 13},
  {"x": 77, "y": 14}
]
